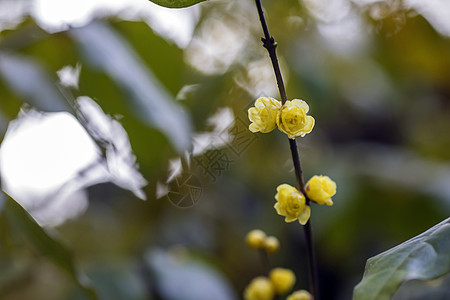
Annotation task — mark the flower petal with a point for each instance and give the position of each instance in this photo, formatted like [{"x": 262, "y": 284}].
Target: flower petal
[
  {"x": 302, "y": 104},
  {"x": 304, "y": 217},
  {"x": 309, "y": 124}
]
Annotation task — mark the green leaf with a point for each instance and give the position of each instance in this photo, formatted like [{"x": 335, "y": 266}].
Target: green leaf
[
  {"x": 32, "y": 83},
  {"x": 424, "y": 257},
  {"x": 106, "y": 50},
  {"x": 48, "y": 244},
  {"x": 424, "y": 289},
  {"x": 176, "y": 3}
]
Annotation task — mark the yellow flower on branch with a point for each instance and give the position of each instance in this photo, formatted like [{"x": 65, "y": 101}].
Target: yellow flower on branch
[
  {"x": 320, "y": 189},
  {"x": 282, "y": 280},
  {"x": 263, "y": 116},
  {"x": 291, "y": 204},
  {"x": 260, "y": 288},
  {"x": 300, "y": 295},
  {"x": 255, "y": 239},
  {"x": 292, "y": 119}
]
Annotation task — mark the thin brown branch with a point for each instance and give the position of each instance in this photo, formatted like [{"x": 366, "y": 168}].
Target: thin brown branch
[{"x": 270, "y": 44}]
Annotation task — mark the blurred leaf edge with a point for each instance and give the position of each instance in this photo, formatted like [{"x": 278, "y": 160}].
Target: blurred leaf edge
[
  {"x": 46, "y": 243},
  {"x": 176, "y": 3}
]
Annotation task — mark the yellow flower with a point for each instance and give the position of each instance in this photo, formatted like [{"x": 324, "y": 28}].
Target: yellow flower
[
  {"x": 282, "y": 280},
  {"x": 320, "y": 189},
  {"x": 300, "y": 295},
  {"x": 264, "y": 114},
  {"x": 292, "y": 119},
  {"x": 260, "y": 288},
  {"x": 255, "y": 239},
  {"x": 291, "y": 204},
  {"x": 271, "y": 244}
]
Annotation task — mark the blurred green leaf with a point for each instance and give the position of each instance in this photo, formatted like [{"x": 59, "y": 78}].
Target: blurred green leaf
[
  {"x": 180, "y": 278},
  {"x": 30, "y": 81},
  {"x": 166, "y": 60},
  {"x": 116, "y": 281},
  {"x": 424, "y": 257},
  {"x": 148, "y": 99},
  {"x": 49, "y": 245},
  {"x": 176, "y": 3}
]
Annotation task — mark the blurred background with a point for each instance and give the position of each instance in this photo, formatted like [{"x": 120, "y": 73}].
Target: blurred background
[{"x": 124, "y": 135}]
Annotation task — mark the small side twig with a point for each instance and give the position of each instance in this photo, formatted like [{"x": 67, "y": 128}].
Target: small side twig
[{"x": 270, "y": 44}]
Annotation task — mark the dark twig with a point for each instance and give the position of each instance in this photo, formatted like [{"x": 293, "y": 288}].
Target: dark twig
[{"x": 270, "y": 44}]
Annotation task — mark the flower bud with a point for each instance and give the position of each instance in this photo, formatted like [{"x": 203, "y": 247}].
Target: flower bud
[
  {"x": 271, "y": 244},
  {"x": 320, "y": 189},
  {"x": 300, "y": 295},
  {"x": 255, "y": 239},
  {"x": 282, "y": 280},
  {"x": 260, "y": 288}
]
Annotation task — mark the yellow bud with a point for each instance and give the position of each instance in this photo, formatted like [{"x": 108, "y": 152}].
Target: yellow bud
[
  {"x": 260, "y": 288},
  {"x": 263, "y": 116},
  {"x": 255, "y": 239},
  {"x": 320, "y": 189},
  {"x": 282, "y": 280},
  {"x": 300, "y": 295},
  {"x": 271, "y": 244},
  {"x": 291, "y": 204},
  {"x": 292, "y": 119}
]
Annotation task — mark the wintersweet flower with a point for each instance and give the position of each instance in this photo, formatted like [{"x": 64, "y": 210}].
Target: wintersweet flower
[
  {"x": 263, "y": 116},
  {"x": 282, "y": 280},
  {"x": 291, "y": 204},
  {"x": 300, "y": 295},
  {"x": 256, "y": 239},
  {"x": 320, "y": 189},
  {"x": 292, "y": 119},
  {"x": 271, "y": 244},
  {"x": 260, "y": 288}
]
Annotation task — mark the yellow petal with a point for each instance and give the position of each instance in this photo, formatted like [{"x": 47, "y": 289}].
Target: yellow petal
[
  {"x": 309, "y": 124},
  {"x": 253, "y": 128},
  {"x": 290, "y": 219},
  {"x": 302, "y": 104},
  {"x": 304, "y": 217}
]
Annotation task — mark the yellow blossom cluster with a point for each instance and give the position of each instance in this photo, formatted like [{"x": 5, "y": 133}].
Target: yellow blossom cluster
[
  {"x": 258, "y": 240},
  {"x": 290, "y": 118},
  {"x": 291, "y": 203},
  {"x": 279, "y": 282}
]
